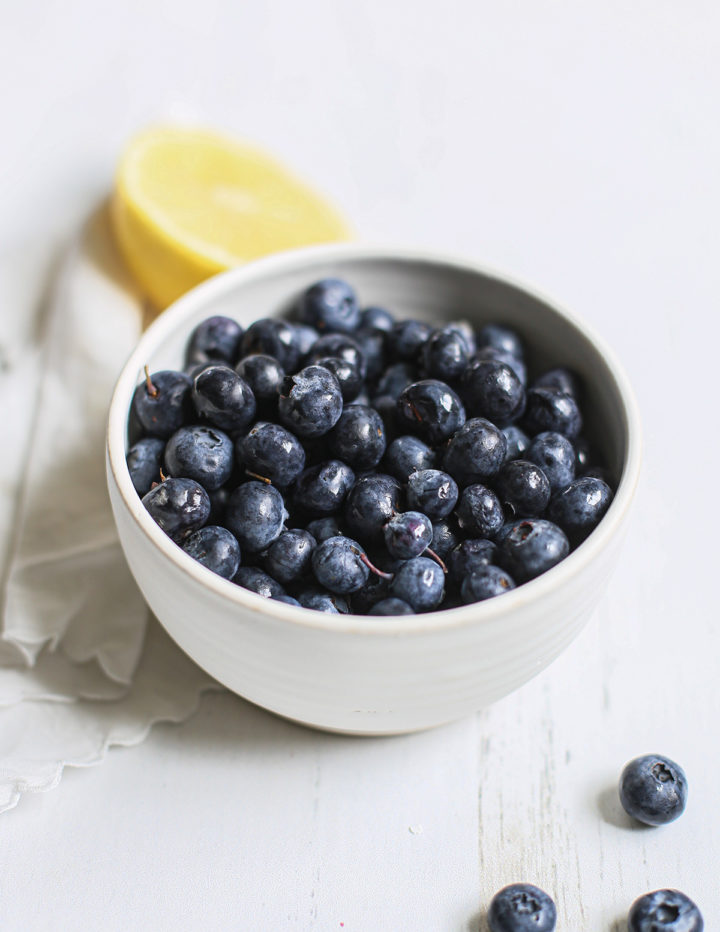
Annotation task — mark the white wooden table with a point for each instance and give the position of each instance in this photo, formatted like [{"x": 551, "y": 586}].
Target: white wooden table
[{"x": 574, "y": 145}]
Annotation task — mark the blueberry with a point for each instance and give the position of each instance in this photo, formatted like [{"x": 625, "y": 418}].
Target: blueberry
[
  {"x": 288, "y": 558},
  {"x": 492, "y": 390},
  {"x": 347, "y": 375},
  {"x": 432, "y": 409},
  {"x": 338, "y": 565},
  {"x": 218, "y": 503},
  {"x": 386, "y": 407},
  {"x": 310, "y": 402},
  {"x": 216, "y": 548},
  {"x": 330, "y": 305},
  {"x": 407, "y": 454},
  {"x": 653, "y": 789},
  {"x": 322, "y": 489},
  {"x": 377, "y": 318},
  {"x": 408, "y": 535},
  {"x": 421, "y": 583},
  {"x": 223, "y": 398},
  {"x": 583, "y": 455},
  {"x": 479, "y": 511},
  {"x": 161, "y": 403},
  {"x": 501, "y": 339},
  {"x": 517, "y": 443},
  {"x": 446, "y": 536},
  {"x": 521, "y": 907},
  {"x": 216, "y": 339},
  {"x": 320, "y": 600},
  {"x": 287, "y": 599},
  {"x": 475, "y": 452},
  {"x": 562, "y": 379},
  {"x": 395, "y": 378},
  {"x": 485, "y": 582},
  {"x": 322, "y": 528},
  {"x": 468, "y": 556},
  {"x": 551, "y": 409},
  {"x": 555, "y": 455},
  {"x": 371, "y": 503},
  {"x": 201, "y": 453},
  {"x": 467, "y": 332},
  {"x": 264, "y": 375},
  {"x": 374, "y": 589},
  {"x": 391, "y": 606},
  {"x": 524, "y": 487},
  {"x": 254, "y": 579},
  {"x": 305, "y": 337},
  {"x": 529, "y": 547},
  {"x": 665, "y": 911},
  {"x": 255, "y": 514},
  {"x": 407, "y": 337},
  {"x": 432, "y": 492},
  {"x": 275, "y": 338},
  {"x": 372, "y": 343},
  {"x": 178, "y": 506},
  {"x": 514, "y": 362},
  {"x": 143, "y": 461},
  {"x": 358, "y": 438},
  {"x": 272, "y": 452},
  {"x": 338, "y": 346},
  {"x": 579, "y": 507},
  {"x": 445, "y": 355}
]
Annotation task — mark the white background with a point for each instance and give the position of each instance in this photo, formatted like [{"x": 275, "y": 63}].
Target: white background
[{"x": 575, "y": 145}]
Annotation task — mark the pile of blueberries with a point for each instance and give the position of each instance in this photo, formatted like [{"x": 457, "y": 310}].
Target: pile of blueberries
[{"x": 347, "y": 462}]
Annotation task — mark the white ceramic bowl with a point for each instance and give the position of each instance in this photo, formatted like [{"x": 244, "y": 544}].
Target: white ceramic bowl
[{"x": 370, "y": 675}]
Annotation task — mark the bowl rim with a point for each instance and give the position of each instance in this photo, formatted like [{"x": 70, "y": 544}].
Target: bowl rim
[{"x": 390, "y": 626}]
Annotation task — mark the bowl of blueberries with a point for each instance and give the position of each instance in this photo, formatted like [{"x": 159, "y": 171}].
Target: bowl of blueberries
[{"x": 370, "y": 490}]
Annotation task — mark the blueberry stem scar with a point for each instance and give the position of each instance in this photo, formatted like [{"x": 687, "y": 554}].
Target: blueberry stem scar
[
  {"x": 152, "y": 390},
  {"x": 374, "y": 569},
  {"x": 437, "y": 559}
]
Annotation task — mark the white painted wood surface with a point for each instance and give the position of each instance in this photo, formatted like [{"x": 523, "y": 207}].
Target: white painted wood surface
[{"x": 575, "y": 145}]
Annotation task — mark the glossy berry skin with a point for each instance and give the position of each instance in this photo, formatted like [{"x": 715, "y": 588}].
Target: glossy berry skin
[
  {"x": 338, "y": 566},
  {"x": 653, "y": 789},
  {"x": 501, "y": 339},
  {"x": 255, "y": 513},
  {"x": 421, "y": 583},
  {"x": 395, "y": 378},
  {"x": 223, "y": 398},
  {"x": 522, "y": 907},
  {"x": 516, "y": 363},
  {"x": 330, "y": 305},
  {"x": 467, "y": 332},
  {"x": 665, "y": 911},
  {"x": 322, "y": 528},
  {"x": 580, "y": 506},
  {"x": 289, "y": 558},
  {"x": 432, "y": 492},
  {"x": 275, "y": 338},
  {"x": 406, "y": 455},
  {"x": 445, "y": 355},
  {"x": 310, "y": 402},
  {"x": 551, "y": 409},
  {"x": 371, "y": 503},
  {"x": 479, "y": 512},
  {"x": 432, "y": 409},
  {"x": 530, "y": 547},
  {"x": 305, "y": 337},
  {"x": 216, "y": 548},
  {"x": 320, "y": 600},
  {"x": 475, "y": 452},
  {"x": 517, "y": 443},
  {"x": 143, "y": 460},
  {"x": 446, "y": 536},
  {"x": 322, "y": 489},
  {"x": 377, "y": 318},
  {"x": 358, "y": 438},
  {"x": 523, "y": 487},
  {"x": 201, "y": 453},
  {"x": 562, "y": 379},
  {"x": 555, "y": 455},
  {"x": 264, "y": 375},
  {"x": 491, "y": 389},
  {"x": 338, "y": 346},
  {"x": 347, "y": 375},
  {"x": 468, "y": 556},
  {"x": 254, "y": 579},
  {"x": 408, "y": 535},
  {"x": 391, "y": 606},
  {"x": 485, "y": 582},
  {"x": 406, "y": 339},
  {"x": 162, "y": 406},
  {"x": 271, "y": 451},
  {"x": 215, "y": 339},
  {"x": 372, "y": 343},
  {"x": 178, "y": 506}
]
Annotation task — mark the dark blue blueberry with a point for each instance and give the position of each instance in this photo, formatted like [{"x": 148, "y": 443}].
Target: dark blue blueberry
[
  {"x": 330, "y": 305},
  {"x": 476, "y": 452},
  {"x": 386, "y": 407},
  {"x": 529, "y": 547},
  {"x": 479, "y": 512},
  {"x": 216, "y": 548},
  {"x": 322, "y": 528},
  {"x": 320, "y": 600},
  {"x": 391, "y": 606},
  {"x": 338, "y": 565},
  {"x": 583, "y": 455},
  {"x": 256, "y": 580},
  {"x": 432, "y": 492},
  {"x": 524, "y": 487},
  {"x": 555, "y": 455},
  {"x": 653, "y": 789},
  {"x": 218, "y": 503},
  {"x": 446, "y": 536},
  {"x": 338, "y": 346},
  {"x": 514, "y": 362},
  {"x": 377, "y": 318},
  {"x": 287, "y": 599},
  {"x": 363, "y": 599},
  {"x": 372, "y": 501},
  {"x": 502, "y": 339},
  {"x": 272, "y": 452},
  {"x": 264, "y": 375},
  {"x": 143, "y": 460},
  {"x": 407, "y": 535},
  {"x": 445, "y": 355},
  {"x": 178, "y": 506},
  {"x": 421, "y": 583},
  {"x": 276, "y": 338},
  {"x": 551, "y": 409},
  {"x": 521, "y": 907},
  {"x": 406, "y": 339},
  {"x": 580, "y": 506},
  {"x": 288, "y": 558},
  {"x": 201, "y": 453},
  {"x": 485, "y": 582},
  {"x": 395, "y": 378},
  {"x": 432, "y": 409},
  {"x": 407, "y": 454},
  {"x": 347, "y": 375},
  {"x": 216, "y": 339},
  {"x": 310, "y": 402},
  {"x": 322, "y": 489},
  {"x": 517, "y": 442},
  {"x": 161, "y": 403},
  {"x": 223, "y": 398},
  {"x": 469, "y": 555},
  {"x": 255, "y": 513},
  {"x": 562, "y": 379},
  {"x": 362, "y": 399},
  {"x": 491, "y": 390},
  {"x": 305, "y": 337},
  {"x": 358, "y": 438},
  {"x": 373, "y": 345},
  {"x": 466, "y": 331},
  {"x": 665, "y": 911}
]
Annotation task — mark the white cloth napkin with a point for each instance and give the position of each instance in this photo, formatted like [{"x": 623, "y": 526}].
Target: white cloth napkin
[{"x": 82, "y": 665}]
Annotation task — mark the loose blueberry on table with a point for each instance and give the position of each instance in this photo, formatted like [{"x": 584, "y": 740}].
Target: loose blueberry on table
[
  {"x": 346, "y": 461},
  {"x": 522, "y": 907},
  {"x": 653, "y": 789},
  {"x": 665, "y": 911}
]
